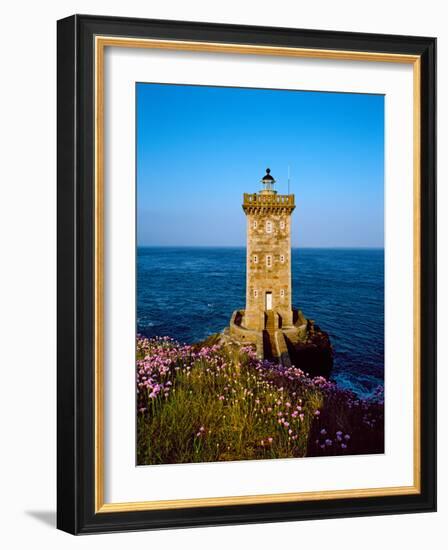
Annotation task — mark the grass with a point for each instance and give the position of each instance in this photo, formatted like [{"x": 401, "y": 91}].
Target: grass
[{"x": 219, "y": 403}]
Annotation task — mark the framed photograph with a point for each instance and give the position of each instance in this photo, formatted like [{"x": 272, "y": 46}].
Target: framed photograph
[{"x": 246, "y": 274}]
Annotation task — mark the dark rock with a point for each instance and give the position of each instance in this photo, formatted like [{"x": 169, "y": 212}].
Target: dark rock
[{"x": 315, "y": 355}]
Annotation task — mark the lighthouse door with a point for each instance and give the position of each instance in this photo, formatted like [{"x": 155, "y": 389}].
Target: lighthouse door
[{"x": 268, "y": 300}]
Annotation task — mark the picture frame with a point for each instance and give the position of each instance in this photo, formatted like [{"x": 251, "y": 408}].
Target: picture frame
[{"x": 82, "y": 42}]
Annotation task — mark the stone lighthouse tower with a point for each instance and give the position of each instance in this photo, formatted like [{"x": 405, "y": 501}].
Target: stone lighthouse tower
[
  {"x": 268, "y": 283},
  {"x": 269, "y": 321}
]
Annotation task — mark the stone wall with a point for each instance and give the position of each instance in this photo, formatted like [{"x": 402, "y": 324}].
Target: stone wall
[
  {"x": 268, "y": 261},
  {"x": 244, "y": 335}
]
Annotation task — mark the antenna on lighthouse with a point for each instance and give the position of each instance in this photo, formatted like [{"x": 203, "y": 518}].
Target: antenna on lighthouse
[{"x": 289, "y": 177}]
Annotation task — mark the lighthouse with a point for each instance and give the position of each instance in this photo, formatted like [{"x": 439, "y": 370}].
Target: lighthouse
[
  {"x": 269, "y": 322},
  {"x": 268, "y": 259}
]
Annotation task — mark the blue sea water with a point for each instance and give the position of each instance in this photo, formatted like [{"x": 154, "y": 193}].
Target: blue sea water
[{"x": 190, "y": 293}]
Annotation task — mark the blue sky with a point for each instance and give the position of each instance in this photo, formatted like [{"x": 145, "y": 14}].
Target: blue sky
[{"x": 199, "y": 148}]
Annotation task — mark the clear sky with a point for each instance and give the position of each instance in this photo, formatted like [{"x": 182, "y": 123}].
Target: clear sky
[{"x": 199, "y": 148}]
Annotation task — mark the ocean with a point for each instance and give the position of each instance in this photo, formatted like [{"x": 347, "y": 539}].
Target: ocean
[{"x": 190, "y": 293}]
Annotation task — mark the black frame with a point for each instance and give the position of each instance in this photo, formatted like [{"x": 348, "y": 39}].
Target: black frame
[{"x": 75, "y": 225}]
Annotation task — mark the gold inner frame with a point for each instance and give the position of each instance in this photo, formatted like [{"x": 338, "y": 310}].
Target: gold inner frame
[{"x": 101, "y": 42}]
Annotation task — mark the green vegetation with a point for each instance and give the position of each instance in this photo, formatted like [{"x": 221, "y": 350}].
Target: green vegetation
[{"x": 218, "y": 403}]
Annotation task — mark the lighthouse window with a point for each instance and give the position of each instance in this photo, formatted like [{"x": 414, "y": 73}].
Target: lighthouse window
[
  {"x": 255, "y": 293},
  {"x": 255, "y": 224},
  {"x": 268, "y": 227},
  {"x": 269, "y": 261},
  {"x": 255, "y": 259},
  {"x": 282, "y": 258},
  {"x": 282, "y": 292},
  {"x": 282, "y": 225}
]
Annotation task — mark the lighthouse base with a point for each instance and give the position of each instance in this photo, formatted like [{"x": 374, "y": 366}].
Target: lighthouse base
[{"x": 301, "y": 344}]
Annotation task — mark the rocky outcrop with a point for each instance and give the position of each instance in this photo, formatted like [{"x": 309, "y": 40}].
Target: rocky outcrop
[
  {"x": 315, "y": 355},
  {"x": 304, "y": 345}
]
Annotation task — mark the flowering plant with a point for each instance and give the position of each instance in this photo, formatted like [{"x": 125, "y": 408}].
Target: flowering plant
[{"x": 221, "y": 403}]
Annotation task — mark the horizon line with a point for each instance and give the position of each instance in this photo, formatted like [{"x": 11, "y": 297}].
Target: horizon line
[{"x": 244, "y": 246}]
